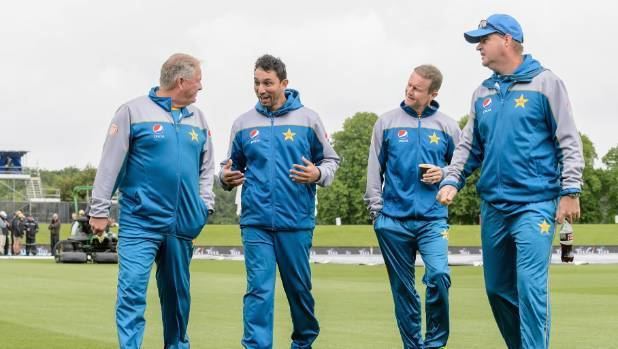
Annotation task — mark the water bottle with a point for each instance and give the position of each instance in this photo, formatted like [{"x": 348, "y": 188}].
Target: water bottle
[{"x": 566, "y": 242}]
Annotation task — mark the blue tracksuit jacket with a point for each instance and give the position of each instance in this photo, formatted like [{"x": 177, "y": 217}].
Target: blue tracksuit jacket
[
  {"x": 401, "y": 141},
  {"x": 521, "y": 130},
  {"x": 264, "y": 146},
  {"x": 163, "y": 168}
]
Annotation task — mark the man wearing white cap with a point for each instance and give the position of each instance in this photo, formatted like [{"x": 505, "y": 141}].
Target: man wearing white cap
[{"x": 521, "y": 134}]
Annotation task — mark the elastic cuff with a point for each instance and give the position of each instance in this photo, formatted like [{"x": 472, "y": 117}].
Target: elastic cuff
[
  {"x": 449, "y": 182},
  {"x": 567, "y": 191}
]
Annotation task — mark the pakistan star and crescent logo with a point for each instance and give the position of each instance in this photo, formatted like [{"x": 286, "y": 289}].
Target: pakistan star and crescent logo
[
  {"x": 194, "y": 136},
  {"x": 444, "y": 234},
  {"x": 289, "y": 135},
  {"x": 544, "y": 227},
  {"x": 521, "y": 101},
  {"x": 433, "y": 138}
]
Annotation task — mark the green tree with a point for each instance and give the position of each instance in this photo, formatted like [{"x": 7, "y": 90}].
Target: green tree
[
  {"x": 225, "y": 205},
  {"x": 609, "y": 200},
  {"x": 68, "y": 178},
  {"x": 590, "y": 200},
  {"x": 344, "y": 198},
  {"x": 466, "y": 208}
]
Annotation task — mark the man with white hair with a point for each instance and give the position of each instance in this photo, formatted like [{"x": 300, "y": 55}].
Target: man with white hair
[
  {"x": 158, "y": 153},
  {"x": 54, "y": 232}
]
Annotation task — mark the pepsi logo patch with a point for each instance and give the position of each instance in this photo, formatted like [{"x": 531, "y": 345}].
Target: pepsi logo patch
[
  {"x": 402, "y": 133},
  {"x": 486, "y": 102},
  {"x": 254, "y": 133},
  {"x": 157, "y": 128}
]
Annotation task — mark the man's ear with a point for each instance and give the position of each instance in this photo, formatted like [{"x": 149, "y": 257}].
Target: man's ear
[
  {"x": 508, "y": 40},
  {"x": 434, "y": 94},
  {"x": 284, "y": 82}
]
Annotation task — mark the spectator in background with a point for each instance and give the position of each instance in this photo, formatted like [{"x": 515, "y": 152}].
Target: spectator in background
[
  {"x": 4, "y": 232},
  {"x": 54, "y": 232},
  {"x": 17, "y": 232},
  {"x": 31, "y": 228}
]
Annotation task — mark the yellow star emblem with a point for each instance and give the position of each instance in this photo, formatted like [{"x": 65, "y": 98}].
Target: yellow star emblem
[
  {"x": 444, "y": 234},
  {"x": 289, "y": 135},
  {"x": 194, "y": 135},
  {"x": 544, "y": 227},
  {"x": 433, "y": 138},
  {"x": 521, "y": 101}
]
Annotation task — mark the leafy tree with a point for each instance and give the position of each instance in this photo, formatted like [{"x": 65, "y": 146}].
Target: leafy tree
[
  {"x": 68, "y": 178},
  {"x": 610, "y": 185},
  {"x": 225, "y": 206},
  {"x": 466, "y": 207},
  {"x": 344, "y": 198},
  {"x": 592, "y": 190}
]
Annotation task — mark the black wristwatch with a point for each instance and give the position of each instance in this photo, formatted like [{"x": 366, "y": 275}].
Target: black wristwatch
[
  {"x": 573, "y": 195},
  {"x": 374, "y": 215}
]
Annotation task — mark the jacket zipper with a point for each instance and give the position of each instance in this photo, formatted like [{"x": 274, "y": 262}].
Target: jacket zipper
[
  {"x": 418, "y": 152},
  {"x": 499, "y": 160},
  {"x": 272, "y": 175},
  {"x": 177, "y": 169}
]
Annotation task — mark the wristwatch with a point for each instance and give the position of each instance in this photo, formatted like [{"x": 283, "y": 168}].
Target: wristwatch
[
  {"x": 573, "y": 195},
  {"x": 374, "y": 215}
]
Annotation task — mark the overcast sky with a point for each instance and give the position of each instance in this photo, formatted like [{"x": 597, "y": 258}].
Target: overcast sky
[{"x": 68, "y": 65}]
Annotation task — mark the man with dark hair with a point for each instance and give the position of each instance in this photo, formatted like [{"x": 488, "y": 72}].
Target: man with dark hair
[
  {"x": 522, "y": 135},
  {"x": 400, "y": 195},
  {"x": 158, "y": 153},
  {"x": 280, "y": 151}
]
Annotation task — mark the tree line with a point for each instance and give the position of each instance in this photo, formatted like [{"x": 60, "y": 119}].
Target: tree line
[{"x": 344, "y": 198}]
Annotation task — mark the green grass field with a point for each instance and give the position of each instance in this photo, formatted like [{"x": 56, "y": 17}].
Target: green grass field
[
  {"x": 363, "y": 235},
  {"x": 47, "y": 305}
]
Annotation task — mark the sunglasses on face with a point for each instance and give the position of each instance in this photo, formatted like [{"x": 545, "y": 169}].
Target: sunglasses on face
[{"x": 483, "y": 24}]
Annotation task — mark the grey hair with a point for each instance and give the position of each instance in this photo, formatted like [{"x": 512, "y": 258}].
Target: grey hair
[{"x": 179, "y": 65}]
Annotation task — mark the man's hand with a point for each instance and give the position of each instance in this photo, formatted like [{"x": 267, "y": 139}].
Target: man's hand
[
  {"x": 232, "y": 178},
  {"x": 568, "y": 208},
  {"x": 304, "y": 174},
  {"x": 98, "y": 224},
  {"x": 432, "y": 176},
  {"x": 446, "y": 195}
]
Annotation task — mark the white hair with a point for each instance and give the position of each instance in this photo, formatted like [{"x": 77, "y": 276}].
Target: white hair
[{"x": 179, "y": 65}]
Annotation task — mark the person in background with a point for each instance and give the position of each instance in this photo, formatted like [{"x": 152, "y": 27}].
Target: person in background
[
  {"x": 31, "y": 228},
  {"x": 54, "y": 232},
  {"x": 4, "y": 232},
  {"x": 17, "y": 232}
]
